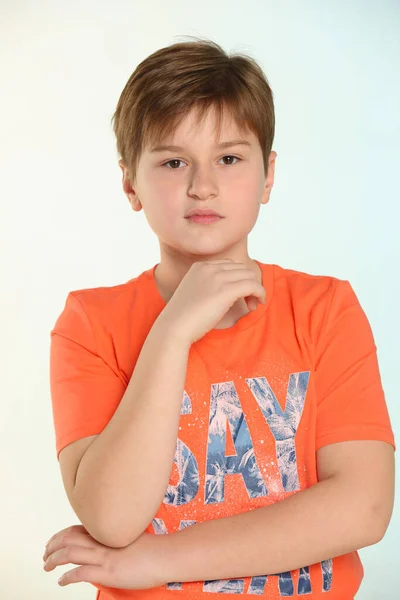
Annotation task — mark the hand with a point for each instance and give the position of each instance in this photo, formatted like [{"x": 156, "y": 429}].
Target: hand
[
  {"x": 207, "y": 292},
  {"x": 134, "y": 567}
]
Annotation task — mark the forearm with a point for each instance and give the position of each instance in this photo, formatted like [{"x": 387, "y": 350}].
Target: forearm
[
  {"x": 123, "y": 475},
  {"x": 326, "y": 520}
]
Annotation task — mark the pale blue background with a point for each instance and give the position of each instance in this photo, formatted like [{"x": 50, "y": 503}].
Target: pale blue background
[{"x": 66, "y": 224}]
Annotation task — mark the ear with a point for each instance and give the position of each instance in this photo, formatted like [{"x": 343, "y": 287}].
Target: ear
[
  {"x": 269, "y": 181},
  {"x": 128, "y": 189}
]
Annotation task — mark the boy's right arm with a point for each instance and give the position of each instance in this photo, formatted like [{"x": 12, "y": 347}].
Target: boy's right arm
[{"x": 119, "y": 483}]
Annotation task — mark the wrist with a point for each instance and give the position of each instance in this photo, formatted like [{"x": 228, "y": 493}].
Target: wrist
[
  {"x": 168, "y": 332},
  {"x": 163, "y": 558}
]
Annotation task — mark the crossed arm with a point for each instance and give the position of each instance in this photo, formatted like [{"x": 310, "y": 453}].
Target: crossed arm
[{"x": 349, "y": 508}]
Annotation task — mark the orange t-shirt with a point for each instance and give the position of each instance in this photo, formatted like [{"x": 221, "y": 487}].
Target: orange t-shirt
[{"x": 260, "y": 398}]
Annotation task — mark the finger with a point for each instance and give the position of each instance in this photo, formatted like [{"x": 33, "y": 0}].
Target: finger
[
  {"x": 224, "y": 261},
  {"x": 76, "y": 555},
  {"x": 68, "y": 539},
  {"x": 260, "y": 297},
  {"x": 251, "y": 303},
  {"x": 247, "y": 288},
  {"x": 88, "y": 574},
  {"x": 66, "y": 530},
  {"x": 227, "y": 262}
]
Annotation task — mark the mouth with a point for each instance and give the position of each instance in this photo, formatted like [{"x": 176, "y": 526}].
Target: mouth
[
  {"x": 204, "y": 219},
  {"x": 203, "y": 215},
  {"x": 202, "y": 211}
]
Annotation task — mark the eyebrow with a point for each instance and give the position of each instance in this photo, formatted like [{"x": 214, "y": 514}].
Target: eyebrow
[{"x": 222, "y": 145}]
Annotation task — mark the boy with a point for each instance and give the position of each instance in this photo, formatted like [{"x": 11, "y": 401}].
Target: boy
[{"x": 234, "y": 405}]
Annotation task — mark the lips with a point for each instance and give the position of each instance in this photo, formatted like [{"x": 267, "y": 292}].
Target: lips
[{"x": 202, "y": 213}]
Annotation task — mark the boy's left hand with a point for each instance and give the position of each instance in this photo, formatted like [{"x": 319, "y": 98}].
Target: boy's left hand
[{"x": 134, "y": 567}]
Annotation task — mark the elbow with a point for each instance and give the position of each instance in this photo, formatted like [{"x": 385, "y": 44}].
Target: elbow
[
  {"x": 100, "y": 524},
  {"x": 110, "y": 534},
  {"x": 376, "y": 534},
  {"x": 381, "y": 515},
  {"x": 110, "y": 540},
  {"x": 105, "y": 536},
  {"x": 108, "y": 527},
  {"x": 380, "y": 528}
]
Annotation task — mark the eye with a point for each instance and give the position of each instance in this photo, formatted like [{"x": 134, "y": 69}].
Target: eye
[
  {"x": 177, "y": 160},
  {"x": 173, "y": 160}
]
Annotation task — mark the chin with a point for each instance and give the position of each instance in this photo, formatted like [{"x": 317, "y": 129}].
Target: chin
[
  {"x": 210, "y": 252},
  {"x": 205, "y": 245}
]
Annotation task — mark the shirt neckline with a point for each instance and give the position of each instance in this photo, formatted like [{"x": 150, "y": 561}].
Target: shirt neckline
[{"x": 248, "y": 320}]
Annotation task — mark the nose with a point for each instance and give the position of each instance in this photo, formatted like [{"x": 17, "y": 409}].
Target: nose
[{"x": 202, "y": 183}]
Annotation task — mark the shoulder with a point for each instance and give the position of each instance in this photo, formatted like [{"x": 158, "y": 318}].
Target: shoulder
[
  {"x": 306, "y": 288},
  {"x": 307, "y": 299},
  {"x": 293, "y": 278},
  {"x": 111, "y": 297},
  {"x": 95, "y": 307}
]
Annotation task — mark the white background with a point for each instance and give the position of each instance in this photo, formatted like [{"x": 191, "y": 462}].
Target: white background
[{"x": 65, "y": 223}]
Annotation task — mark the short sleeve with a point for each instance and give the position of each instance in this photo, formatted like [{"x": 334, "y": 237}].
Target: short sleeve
[
  {"x": 351, "y": 402},
  {"x": 85, "y": 390}
]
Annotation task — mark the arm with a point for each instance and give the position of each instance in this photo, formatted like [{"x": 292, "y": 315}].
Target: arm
[
  {"x": 349, "y": 508},
  {"x": 122, "y": 476}
]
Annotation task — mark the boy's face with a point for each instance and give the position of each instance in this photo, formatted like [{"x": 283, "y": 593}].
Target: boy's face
[{"x": 200, "y": 177}]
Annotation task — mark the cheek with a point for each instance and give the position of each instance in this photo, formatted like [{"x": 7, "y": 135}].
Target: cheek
[
  {"x": 164, "y": 208},
  {"x": 244, "y": 200}
]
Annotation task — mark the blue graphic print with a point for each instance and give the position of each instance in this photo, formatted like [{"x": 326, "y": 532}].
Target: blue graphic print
[
  {"x": 225, "y": 408},
  {"x": 283, "y": 425}
]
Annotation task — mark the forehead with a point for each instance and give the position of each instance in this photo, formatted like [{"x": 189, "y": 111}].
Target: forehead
[{"x": 194, "y": 125}]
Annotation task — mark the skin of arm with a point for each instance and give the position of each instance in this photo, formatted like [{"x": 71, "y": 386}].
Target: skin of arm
[
  {"x": 122, "y": 477},
  {"x": 348, "y": 509}
]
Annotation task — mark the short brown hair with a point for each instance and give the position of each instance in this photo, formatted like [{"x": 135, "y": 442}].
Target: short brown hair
[{"x": 170, "y": 82}]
